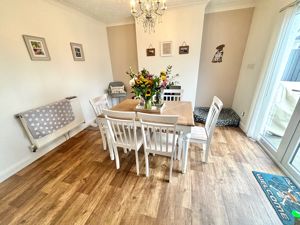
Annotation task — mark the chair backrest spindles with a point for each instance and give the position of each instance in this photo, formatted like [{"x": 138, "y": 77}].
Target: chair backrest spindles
[
  {"x": 158, "y": 132},
  {"x": 172, "y": 94},
  {"x": 99, "y": 104},
  {"x": 213, "y": 115},
  {"x": 122, "y": 128}
]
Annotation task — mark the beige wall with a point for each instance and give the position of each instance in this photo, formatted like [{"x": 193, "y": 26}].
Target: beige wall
[
  {"x": 25, "y": 84},
  {"x": 123, "y": 52},
  {"x": 230, "y": 28}
]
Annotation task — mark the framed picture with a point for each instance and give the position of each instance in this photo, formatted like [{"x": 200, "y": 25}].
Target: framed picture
[
  {"x": 37, "y": 48},
  {"x": 218, "y": 56},
  {"x": 184, "y": 49},
  {"x": 166, "y": 48},
  {"x": 150, "y": 51},
  {"x": 77, "y": 51}
]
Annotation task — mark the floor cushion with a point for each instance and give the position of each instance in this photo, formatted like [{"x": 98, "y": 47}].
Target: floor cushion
[{"x": 228, "y": 117}]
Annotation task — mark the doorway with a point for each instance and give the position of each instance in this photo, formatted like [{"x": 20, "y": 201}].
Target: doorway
[{"x": 279, "y": 114}]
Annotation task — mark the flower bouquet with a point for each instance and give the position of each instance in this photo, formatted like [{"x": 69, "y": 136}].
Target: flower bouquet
[{"x": 146, "y": 85}]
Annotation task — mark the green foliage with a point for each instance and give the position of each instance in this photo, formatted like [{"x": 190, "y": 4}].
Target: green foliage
[{"x": 145, "y": 85}]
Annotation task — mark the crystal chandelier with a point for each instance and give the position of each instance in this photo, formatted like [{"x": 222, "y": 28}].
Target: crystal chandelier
[{"x": 148, "y": 12}]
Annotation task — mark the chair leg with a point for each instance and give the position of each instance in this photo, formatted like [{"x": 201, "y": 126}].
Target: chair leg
[
  {"x": 147, "y": 164},
  {"x": 171, "y": 167},
  {"x": 186, "y": 143},
  {"x": 117, "y": 157},
  {"x": 175, "y": 151},
  {"x": 110, "y": 148},
  {"x": 180, "y": 139},
  {"x": 111, "y": 152},
  {"x": 205, "y": 153},
  {"x": 137, "y": 162},
  {"x": 103, "y": 136}
]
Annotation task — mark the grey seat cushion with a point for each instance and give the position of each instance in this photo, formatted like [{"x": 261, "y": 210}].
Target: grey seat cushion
[
  {"x": 228, "y": 117},
  {"x": 116, "y": 84}
]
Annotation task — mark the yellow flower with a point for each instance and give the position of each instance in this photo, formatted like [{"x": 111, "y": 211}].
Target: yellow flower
[
  {"x": 150, "y": 82},
  {"x": 163, "y": 73},
  {"x": 148, "y": 93}
]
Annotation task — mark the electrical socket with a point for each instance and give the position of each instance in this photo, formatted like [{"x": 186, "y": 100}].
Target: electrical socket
[{"x": 243, "y": 114}]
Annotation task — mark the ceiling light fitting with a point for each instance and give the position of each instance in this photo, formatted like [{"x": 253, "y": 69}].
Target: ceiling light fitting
[{"x": 148, "y": 12}]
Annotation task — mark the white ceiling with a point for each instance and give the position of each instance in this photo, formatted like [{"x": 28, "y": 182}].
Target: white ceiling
[{"x": 118, "y": 11}]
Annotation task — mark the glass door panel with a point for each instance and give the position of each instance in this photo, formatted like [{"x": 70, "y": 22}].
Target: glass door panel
[
  {"x": 284, "y": 92},
  {"x": 281, "y": 111}
]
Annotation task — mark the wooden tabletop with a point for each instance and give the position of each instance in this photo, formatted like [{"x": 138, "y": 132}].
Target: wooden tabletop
[{"x": 183, "y": 109}]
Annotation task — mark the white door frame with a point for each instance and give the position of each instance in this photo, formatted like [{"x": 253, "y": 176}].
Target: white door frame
[
  {"x": 290, "y": 143},
  {"x": 287, "y": 147}
]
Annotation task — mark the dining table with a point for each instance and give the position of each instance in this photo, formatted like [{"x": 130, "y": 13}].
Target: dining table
[{"x": 184, "y": 111}]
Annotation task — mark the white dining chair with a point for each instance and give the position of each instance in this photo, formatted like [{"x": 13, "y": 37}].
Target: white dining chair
[
  {"x": 172, "y": 94},
  {"x": 159, "y": 136},
  {"x": 203, "y": 135},
  {"x": 124, "y": 133},
  {"x": 99, "y": 104}
]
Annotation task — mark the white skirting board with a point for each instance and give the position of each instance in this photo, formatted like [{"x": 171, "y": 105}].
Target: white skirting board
[
  {"x": 41, "y": 152},
  {"x": 243, "y": 127},
  {"x": 40, "y": 142},
  {"x": 46, "y": 144}
]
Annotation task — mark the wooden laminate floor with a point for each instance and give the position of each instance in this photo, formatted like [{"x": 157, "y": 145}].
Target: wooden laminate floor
[{"x": 77, "y": 183}]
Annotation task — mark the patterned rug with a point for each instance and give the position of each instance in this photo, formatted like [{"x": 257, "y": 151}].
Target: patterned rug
[{"x": 282, "y": 193}]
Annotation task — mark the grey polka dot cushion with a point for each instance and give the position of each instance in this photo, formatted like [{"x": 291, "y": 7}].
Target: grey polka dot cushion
[{"x": 228, "y": 117}]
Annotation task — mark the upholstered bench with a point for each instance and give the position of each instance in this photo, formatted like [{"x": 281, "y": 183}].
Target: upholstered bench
[{"x": 228, "y": 117}]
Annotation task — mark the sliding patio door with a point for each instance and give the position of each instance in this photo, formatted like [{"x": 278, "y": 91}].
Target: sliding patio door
[
  {"x": 277, "y": 126},
  {"x": 282, "y": 88}
]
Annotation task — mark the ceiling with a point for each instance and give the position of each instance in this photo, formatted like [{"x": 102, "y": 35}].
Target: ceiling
[{"x": 118, "y": 11}]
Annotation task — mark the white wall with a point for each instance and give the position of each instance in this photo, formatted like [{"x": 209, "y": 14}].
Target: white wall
[
  {"x": 25, "y": 84},
  {"x": 264, "y": 21},
  {"x": 178, "y": 25}
]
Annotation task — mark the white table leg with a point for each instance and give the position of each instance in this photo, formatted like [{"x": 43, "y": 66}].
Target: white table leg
[
  {"x": 180, "y": 140},
  {"x": 185, "y": 146}
]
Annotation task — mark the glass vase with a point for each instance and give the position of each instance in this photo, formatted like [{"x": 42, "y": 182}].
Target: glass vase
[
  {"x": 148, "y": 104},
  {"x": 158, "y": 99}
]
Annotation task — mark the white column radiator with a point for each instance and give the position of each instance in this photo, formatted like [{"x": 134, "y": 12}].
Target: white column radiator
[{"x": 39, "y": 142}]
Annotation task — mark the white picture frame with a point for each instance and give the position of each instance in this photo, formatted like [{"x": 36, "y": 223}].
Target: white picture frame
[
  {"x": 77, "y": 51},
  {"x": 37, "y": 48},
  {"x": 166, "y": 48}
]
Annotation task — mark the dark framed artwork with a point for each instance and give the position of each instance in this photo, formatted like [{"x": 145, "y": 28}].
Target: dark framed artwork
[
  {"x": 184, "y": 49},
  {"x": 37, "y": 48},
  {"x": 77, "y": 51},
  {"x": 150, "y": 51},
  {"x": 218, "y": 56}
]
